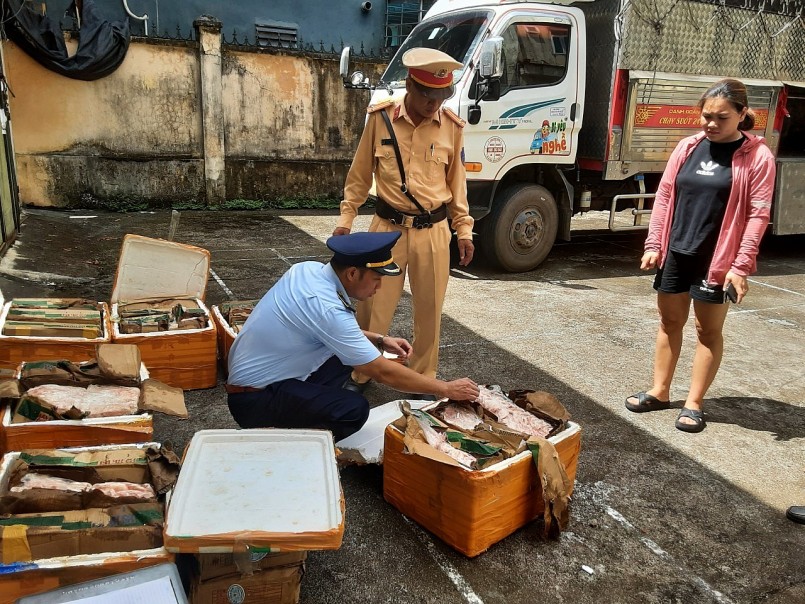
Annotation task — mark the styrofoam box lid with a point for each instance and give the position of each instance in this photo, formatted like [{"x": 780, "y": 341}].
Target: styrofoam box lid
[
  {"x": 261, "y": 481},
  {"x": 155, "y": 268}
]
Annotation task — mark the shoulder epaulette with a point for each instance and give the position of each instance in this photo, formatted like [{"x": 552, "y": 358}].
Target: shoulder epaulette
[
  {"x": 379, "y": 106},
  {"x": 449, "y": 113}
]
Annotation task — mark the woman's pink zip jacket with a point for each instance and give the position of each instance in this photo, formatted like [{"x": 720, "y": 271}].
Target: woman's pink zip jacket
[{"x": 746, "y": 216}]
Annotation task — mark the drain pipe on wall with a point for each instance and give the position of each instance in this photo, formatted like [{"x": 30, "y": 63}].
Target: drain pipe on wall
[{"x": 133, "y": 16}]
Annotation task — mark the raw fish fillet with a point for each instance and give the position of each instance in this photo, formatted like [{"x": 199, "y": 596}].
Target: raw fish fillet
[
  {"x": 41, "y": 481},
  {"x": 512, "y": 416},
  {"x": 128, "y": 490},
  {"x": 93, "y": 401},
  {"x": 106, "y": 401},
  {"x": 439, "y": 441},
  {"x": 61, "y": 398},
  {"x": 460, "y": 417}
]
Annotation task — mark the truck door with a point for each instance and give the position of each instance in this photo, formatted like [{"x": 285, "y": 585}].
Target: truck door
[{"x": 538, "y": 116}]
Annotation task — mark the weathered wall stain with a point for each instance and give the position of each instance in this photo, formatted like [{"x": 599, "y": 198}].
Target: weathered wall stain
[{"x": 289, "y": 127}]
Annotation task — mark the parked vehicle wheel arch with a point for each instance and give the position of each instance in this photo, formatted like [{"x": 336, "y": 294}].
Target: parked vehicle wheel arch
[{"x": 521, "y": 228}]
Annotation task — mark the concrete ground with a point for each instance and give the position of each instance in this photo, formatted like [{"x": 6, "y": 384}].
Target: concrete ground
[{"x": 657, "y": 516}]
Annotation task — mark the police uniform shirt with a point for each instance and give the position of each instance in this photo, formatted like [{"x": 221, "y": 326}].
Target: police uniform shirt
[
  {"x": 300, "y": 323},
  {"x": 434, "y": 170}
]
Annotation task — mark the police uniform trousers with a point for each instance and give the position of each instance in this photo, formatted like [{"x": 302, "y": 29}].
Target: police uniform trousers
[
  {"x": 318, "y": 402},
  {"x": 425, "y": 255}
]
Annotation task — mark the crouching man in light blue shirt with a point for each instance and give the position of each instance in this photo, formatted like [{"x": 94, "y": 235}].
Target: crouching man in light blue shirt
[{"x": 291, "y": 360}]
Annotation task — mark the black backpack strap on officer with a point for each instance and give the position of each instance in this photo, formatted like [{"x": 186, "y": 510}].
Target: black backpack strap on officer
[{"x": 404, "y": 187}]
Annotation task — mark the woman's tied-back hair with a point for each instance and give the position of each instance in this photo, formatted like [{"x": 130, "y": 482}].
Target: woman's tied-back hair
[{"x": 735, "y": 92}]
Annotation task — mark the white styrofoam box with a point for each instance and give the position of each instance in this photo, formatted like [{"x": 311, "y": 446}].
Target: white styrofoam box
[{"x": 271, "y": 488}]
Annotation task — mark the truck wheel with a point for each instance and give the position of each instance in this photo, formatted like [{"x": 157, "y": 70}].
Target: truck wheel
[{"x": 521, "y": 228}]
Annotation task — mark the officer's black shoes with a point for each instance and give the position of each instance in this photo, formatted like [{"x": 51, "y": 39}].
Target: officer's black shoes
[
  {"x": 354, "y": 386},
  {"x": 796, "y": 513}
]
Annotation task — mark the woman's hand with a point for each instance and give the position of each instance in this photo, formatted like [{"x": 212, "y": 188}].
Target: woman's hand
[
  {"x": 649, "y": 261},
  {"x": 740, "y": 284}
]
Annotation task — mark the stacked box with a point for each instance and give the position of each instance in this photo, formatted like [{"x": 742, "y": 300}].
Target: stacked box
[
  {"x": 296, "y": 505},
  {"x": 41, "y": 550},
  {"x": 153, "y": 278},
  {"x": 230, "y": 317},
  {"x": 264, "y": 578},
  {"x": 470, "y": 510},
  {"x": 27, "y": 424},
  {"x": 52, "y": 328},
  {"x": 230, "y": 519}
]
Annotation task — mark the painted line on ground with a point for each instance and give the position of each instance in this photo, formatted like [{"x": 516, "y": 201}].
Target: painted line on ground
[
  {"x": 782, "y": 289},
  {"x": 698, "y": 581},
  {"x": 463, "y": 274},
  {"x": 220, "y": 282},
  {"x": 738, "y": 311},
  {"x": 444, "y": 564},
  {"x": 281, "y": 257}
]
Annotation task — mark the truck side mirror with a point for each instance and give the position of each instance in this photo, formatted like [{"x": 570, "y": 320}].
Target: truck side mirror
[
  {"x": 490, "y": 64},
  {"x": 492, "y": 91},
  {"x": 474, "y": 114},
  {"x": 344, "y": 65},
  {"x": 356, "y": 79}
]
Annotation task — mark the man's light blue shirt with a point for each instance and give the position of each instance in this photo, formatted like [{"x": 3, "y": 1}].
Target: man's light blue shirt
[{"x": 299, "y": 324}]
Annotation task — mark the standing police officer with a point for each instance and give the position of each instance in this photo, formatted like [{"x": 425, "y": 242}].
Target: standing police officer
[
  {"x": 290, "y": 360},
  {"x": 433, "y": 187}
]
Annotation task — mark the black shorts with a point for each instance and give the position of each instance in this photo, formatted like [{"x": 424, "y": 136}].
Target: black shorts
[{"x": 686, "y": 274}]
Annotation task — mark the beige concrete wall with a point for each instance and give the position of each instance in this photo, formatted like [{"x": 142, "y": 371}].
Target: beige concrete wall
[{"x": 137, "y": 135}]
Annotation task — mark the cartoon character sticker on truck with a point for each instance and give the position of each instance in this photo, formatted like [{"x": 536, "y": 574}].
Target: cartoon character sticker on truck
[{"x": 550, "y": 139}]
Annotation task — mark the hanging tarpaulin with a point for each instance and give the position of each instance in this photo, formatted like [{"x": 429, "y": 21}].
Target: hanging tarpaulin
[{"x": 102, "y": 44}]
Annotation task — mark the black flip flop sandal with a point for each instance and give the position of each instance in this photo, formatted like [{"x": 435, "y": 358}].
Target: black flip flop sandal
[
  {"x": 696, "y": 416},
  {"x": 646, "y": 402}
]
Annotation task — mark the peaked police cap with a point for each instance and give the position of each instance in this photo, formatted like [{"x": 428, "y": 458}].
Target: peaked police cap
[{"x": 366, "y": 250}]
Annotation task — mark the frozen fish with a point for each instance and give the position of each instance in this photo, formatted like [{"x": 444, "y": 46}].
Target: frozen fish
[
  {"x": 439, "y": 442},
  {"x": 127, "y": 490},
  {"x": 41, "y": 481},
  {"x": 512, "y": 416},
  {"x": 461, "y": 417}
]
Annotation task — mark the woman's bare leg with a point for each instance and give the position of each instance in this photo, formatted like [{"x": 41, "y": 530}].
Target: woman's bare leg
[
  {"x": 674, "y": 310},
  {"x": 709, "y": 350}
]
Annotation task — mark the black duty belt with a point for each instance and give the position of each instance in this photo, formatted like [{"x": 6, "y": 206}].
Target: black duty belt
[{"x": 409, "y": 221}]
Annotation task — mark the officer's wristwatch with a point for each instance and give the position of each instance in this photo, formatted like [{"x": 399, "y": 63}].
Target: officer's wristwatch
[{"x": 379, "y": 343}]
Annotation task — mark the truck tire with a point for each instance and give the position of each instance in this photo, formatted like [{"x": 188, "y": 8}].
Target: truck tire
[{"x": 521, "y": 228}]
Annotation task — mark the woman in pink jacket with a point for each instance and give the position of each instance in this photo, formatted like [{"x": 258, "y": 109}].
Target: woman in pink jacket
[{"x": 710, "y": 212}]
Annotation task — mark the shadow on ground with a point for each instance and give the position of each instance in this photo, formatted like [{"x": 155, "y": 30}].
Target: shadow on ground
[{"x": 650, "y": 522}]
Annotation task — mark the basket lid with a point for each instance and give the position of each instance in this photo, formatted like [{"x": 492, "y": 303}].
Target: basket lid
[
  {"x": 155, "y": 268},
  {"x": 258, "y": 488}
]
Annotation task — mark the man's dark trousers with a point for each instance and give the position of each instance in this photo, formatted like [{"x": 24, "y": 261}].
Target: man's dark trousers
[{"x": 318, "y": 402}]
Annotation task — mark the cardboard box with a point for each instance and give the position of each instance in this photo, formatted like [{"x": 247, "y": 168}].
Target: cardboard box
[
  {"x": 470, "y": 510},
  {"x": 29, "y": 537},
  {"x": 278, "y": 585},
  {"x": 116, "y": 362},
  {"x": 226, "y": 333},
  {"x": 154, "y": 269},
  {"x": 124, "y": 545},
  {"x": 211, "y": 566},
  {"x": 14, "y": 349}
]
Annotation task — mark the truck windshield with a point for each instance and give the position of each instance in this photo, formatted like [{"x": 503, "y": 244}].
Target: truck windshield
[{"x": 456, "y": 34}]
